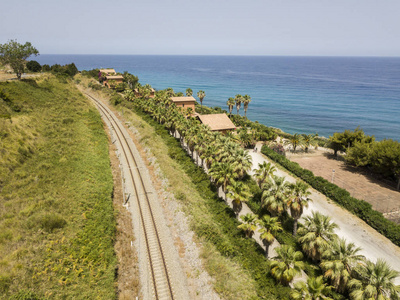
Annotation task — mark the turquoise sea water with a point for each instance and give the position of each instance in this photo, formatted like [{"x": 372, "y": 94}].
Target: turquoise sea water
[{"x": 296, "y": 94}]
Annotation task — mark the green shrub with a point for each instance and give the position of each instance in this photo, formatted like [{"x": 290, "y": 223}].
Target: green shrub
[{"x": 33, "y": 66}]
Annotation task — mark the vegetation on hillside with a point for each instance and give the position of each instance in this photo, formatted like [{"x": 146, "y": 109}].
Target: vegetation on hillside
[
  {"x": 57, "y": 223},
  {"x": 315, "y": 237}
]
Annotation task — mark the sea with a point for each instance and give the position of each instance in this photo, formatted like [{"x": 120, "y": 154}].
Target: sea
[{"x": 296, "y": 94}]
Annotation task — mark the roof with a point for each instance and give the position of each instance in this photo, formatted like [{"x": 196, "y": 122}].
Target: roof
[
  {"x": 183, "y": 99},
  {"x": 115, "y": 77},
  {"x": 108, "y": 71},
  {"x": 217, "y": 121}
]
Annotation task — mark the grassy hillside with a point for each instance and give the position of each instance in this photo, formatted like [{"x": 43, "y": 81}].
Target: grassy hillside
[{"x": 57, "y": 224}]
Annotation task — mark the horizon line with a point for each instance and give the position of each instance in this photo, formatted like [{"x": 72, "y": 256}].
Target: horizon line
[{"x": 237, "y": 55}]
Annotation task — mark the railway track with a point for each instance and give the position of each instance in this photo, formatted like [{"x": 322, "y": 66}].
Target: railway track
[{"x": 160, "y": 278}]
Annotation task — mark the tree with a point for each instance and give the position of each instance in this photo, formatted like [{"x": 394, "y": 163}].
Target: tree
[
  {"x": 275, "y": 195},
  {"x": 313, "y": 289},
  {"x": 294, "y": 141},
  {"x": 33, "y": 66},
  {"x": 339, "y": 261},
  {"x": 270, "y": 226},
  {"x": 385, "y": 159},
  {"x": 345, "y": 140},
  {"x": 246, "y": 100},
  {"x": 130, "y": 80},
  {"x": 316, "y": 235},
  {"x": 287, "y": 264},
  {"x": 231, "y": 104},
  {"x": 189, "y": 92},
  {"x": 238, "y": 102},
  {"x": 15, "y": 54},
  {"x": 298, "y": 199},
  {"x": 308, "y": 140},
  {"x": 249, "y": 224},
  {"x": 239, "y": 193},
  {"x": 264, "y": 171},
  {"x": 222, "y": 173},
  {"x": 374, "y": 281},
  {"x": 201, "y": 94}
]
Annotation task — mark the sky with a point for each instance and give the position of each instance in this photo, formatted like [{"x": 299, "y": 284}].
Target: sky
[{"x": 205, "y": 27}]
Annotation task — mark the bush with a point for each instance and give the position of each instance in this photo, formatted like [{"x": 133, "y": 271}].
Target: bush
[
  {"x": 46, "y": 68},
  {"x": 33, "y": 66},
  {"x": 48, "y": 222}
]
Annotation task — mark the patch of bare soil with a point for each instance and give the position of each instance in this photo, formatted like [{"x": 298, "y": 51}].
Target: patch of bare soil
[
  {"x": 381, "y": 196},
  {"x": 128, "y": 271}
]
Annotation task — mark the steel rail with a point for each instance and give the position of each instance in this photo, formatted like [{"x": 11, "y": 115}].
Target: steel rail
[{"x": 115, "y": 125}]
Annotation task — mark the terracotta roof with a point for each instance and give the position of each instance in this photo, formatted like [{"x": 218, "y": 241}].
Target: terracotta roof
[
  {"x": 115, "y": 77},
  {"x": 183, "y": 99},
  {"x": 108, "y": 71},
  {"x": 217, "y": 121}
]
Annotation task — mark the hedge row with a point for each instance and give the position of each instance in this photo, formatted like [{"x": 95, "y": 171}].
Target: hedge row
[{"x": 358, "y": 207}]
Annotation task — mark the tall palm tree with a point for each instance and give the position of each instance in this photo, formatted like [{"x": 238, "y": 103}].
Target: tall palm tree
[
  {"x": 231, "y": 104},
  {"x": 313, "y": 289},
  {"x": 308, "y": 140},
  {"x": 275, "y": 195},
  {"x": 201, "y": 94},
  {"x": 242, "y": 162},
  {"x": 287, "y": 264},
  {"x": 249, "y": 224},
  {"x": 264, "y": 171},
  {"x": 294, "y": 141},
  {"x": 316, "y": 235},
  {"x": 374, "y": 281},
  {"x": 246, "y": 101},
  {"x": 238, "y": 102},
  {"x": 222, "y": 173},
  {"x": 189, "y": 92},
  {"x": 298, "y": 199},
  {"x": 270, "y": 226},
  {"x": 339, "y": 261},
  {"x": 239, "y": 193}
]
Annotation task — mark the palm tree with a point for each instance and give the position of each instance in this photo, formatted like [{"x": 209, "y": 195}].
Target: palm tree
[
  {"x": 264, "y": 171},
  {"x": 189, "y": 92},
  {"x": 239, "y": 193},
  {"x": 238, "y": 101},
  {"x": 231, "y": 104},
  {"x": 249, "y": 224},
  {"x": 246, "y": 101},
  {"x": 316, "y": 235},
  {"x": 339, "y": 261},
  {"x": 313, "y": 289},
  {"x": 298, "y": 199},
  {"x": 287, "y": 264},
  {"x": 242, "y": 162},
  {"x": 270, "y": 226},
  {"x": 374, "y": 281},
  {"x": 222, "y": 173},
  {"x": 308, "y": 140},
  {"x": 201, "y": 94},
  {"x": 294, "y": 141},
  {"x": 275, "y": 195},
  {"x": 170, "y": 92}
]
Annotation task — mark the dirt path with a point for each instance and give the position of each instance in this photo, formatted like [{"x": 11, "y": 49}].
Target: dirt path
[
  {"x": 382, "y": 197},
  {"x": 352, "y": 228}
]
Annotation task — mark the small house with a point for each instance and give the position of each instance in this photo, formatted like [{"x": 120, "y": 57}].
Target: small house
[
  {"x": 217, "y": 122},
  {"x": 184, "y": 102},
  {"x": 112, "y": 81}
]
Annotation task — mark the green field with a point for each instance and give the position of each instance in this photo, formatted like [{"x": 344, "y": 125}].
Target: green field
[{"x": 57, "y": 224}]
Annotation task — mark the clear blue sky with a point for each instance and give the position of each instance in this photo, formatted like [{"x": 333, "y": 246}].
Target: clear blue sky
[{"x": 205, "y": 27}]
